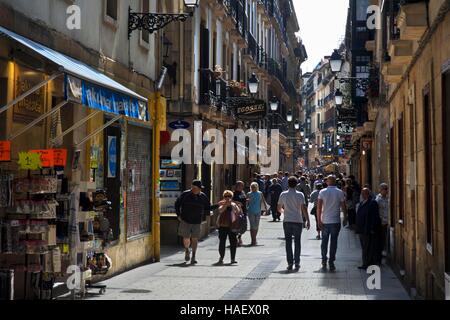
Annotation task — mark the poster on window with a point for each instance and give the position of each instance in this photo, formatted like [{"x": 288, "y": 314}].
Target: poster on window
[{"x": 112, "y": 156}]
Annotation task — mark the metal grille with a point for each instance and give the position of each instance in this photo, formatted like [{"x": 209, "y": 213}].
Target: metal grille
[{"x": 139, "y": 181}]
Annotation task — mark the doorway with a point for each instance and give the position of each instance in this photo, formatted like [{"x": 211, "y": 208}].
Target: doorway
[
  {"x": 112, "y": 176},
  {"x": 446, "y": 148}
]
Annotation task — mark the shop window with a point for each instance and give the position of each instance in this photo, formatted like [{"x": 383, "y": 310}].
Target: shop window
[{"x": 427, "y": 116}]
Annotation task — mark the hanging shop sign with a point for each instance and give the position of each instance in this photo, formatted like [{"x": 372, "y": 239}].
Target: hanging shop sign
[
  {"x": 180, "y": 124},
  {"x": 100, "y": 98},
  {"x": 252, "y": 110},
  {"x": 5, "y": 151},
  {"x": 29, "y": 161}
]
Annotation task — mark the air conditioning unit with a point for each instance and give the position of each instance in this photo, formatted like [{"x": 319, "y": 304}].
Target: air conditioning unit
[{"x": 447, "y": 286}]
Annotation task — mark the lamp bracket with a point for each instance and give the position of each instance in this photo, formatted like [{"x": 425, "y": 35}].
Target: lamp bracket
[{"x": 153, "y": 22}]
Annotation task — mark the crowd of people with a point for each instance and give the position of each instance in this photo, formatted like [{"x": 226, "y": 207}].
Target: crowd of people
[{"x": 287, "y": 196}]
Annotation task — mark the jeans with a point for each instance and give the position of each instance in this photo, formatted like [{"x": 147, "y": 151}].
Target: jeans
[
  {"x": 223, "y": 234},
  {"x": 293, "y": 229},
  {"x": 327, "y": 231}
]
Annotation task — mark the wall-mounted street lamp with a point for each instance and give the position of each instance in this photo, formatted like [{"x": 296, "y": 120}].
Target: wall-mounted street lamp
[
  {"x": 153, "y": 22},
  {"x": 339, "y": 97},
  {"x": 289, "y": 116},
  {"x": 253, "y": 84},
  {"x": 302, "y": 132},
  {"x": 297, "y": 125},
  {"x": 274, "y": 104},
  {"x": 336, "y": 62}
]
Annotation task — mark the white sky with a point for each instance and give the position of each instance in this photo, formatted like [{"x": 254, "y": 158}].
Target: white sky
[{"x": 322, "y": 27}]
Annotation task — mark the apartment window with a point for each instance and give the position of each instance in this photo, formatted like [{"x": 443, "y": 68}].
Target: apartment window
[
  {"x": 428, "y": 164},
  {"x": 145, "y": 9},
  {"x": 112, "y": 9}
]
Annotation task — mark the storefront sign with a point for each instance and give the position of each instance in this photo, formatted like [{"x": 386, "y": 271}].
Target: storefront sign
[
  {"x": 5, "y": 151},
  {"x": 112, "y": 156},
  {"x": 29, "y": 161},
  {"x": 179, "y": 125},
  {"x": 31, "y": 106},
  {"x": 100, "y": 98},
  {"x": 252, "y": 110}
]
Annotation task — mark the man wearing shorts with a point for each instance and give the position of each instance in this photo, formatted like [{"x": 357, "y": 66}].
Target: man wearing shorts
[{"x": 190, "y": 208}]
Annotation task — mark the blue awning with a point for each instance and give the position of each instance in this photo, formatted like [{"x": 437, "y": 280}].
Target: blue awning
[{"x": 84, "y": 72}]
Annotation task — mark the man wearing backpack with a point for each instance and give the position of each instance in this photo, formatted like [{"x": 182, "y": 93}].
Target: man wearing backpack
[{"x": 191, "y": 206}]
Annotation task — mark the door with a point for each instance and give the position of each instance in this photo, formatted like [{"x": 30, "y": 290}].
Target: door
[{"x": 112, "y": 176}]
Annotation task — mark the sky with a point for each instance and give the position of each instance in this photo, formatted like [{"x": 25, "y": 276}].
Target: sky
[{"x": 322, "y": 27}]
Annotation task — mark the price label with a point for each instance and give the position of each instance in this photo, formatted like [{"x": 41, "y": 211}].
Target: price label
[
  {"x": 5, "y": 151},
  {"x": 46, "y": 157},
  {"x": 29, "y": 161},
  {"x": 59, "y": 157}
]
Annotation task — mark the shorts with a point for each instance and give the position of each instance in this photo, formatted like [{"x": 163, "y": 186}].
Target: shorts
[
  {"x": 254, "y": 221},
  {"x": 187, "y": 230}
]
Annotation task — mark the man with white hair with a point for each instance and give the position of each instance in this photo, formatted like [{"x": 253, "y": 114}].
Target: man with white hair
[
  {"x": 330, "y": 202},
  {"x": 383, "y": 204}
]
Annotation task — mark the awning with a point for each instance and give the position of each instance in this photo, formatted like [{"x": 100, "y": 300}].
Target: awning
[{"x": 87, "y": 85}]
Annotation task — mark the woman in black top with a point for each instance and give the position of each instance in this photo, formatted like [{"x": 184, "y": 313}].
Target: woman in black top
[{"x": 240, "y": 198}]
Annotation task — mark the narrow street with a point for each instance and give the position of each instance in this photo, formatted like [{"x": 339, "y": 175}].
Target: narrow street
[{"x": 260, "y": 274}]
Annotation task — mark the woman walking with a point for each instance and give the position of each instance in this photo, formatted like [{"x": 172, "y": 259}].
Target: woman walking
[
  {"x": 240, "y": 198},
  {"x": 256, "y": 204},
  {"x": 228, "y": 225}
]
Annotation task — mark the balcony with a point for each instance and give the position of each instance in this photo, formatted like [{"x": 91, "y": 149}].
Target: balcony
[
  {"x": 274, "y": 69},
  {"x": 401, "y": 52},
  {"x": 412, "y": 20},
  {"x": 212, "y": 93},
  {"x": 236, "y": 11}
]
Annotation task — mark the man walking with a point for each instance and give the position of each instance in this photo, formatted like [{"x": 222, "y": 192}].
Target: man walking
[
  {"x": 303, "y": 187},
  {"x": 275, "y": 191},
  {"x": 383, "y": 204},
  {"x": 284, "y": 181},
  {"x": 331, "y": 201},
  {"x": 368, "y": 224},
  {"x": 190, "y": 208},
  {"x": 295, "y": 215}
]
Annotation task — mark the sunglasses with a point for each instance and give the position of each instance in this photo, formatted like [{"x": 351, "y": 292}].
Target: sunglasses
[{"x": 227, "y": 197}]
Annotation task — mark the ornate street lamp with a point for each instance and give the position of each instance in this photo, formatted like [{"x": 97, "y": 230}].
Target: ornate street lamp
[
  {"x": 297, "y": 125},
  {"x": 153, "y": 22},
  {"x": 289, "y": 116},
  {"x": 274, "y": 104},
  {"x": 339, "y": 97},
  {"x": 253, "y": 84},
  {"x": 336, "y": 62},
  {"x": 302, "y": 132}
]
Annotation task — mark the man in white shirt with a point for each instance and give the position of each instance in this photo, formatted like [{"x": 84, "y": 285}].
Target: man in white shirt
[
  {"x": 331, "y": 201},
  {"x": 295, "y": 214}
]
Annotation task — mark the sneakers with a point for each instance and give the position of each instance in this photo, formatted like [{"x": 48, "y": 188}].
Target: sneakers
[{"x": 187, "y": 255}]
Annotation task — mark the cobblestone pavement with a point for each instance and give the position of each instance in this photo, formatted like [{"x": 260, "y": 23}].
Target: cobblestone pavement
[{"x": 259, "y": 275}]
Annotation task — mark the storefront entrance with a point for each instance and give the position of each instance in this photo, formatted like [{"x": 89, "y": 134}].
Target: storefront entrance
[{"x": 112, "y": 176}]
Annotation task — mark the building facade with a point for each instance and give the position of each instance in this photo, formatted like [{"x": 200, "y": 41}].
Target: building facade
[{"x": 407, "y": 115}]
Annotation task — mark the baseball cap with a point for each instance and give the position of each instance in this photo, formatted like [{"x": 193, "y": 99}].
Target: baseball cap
[{"x": 198, "y": 184}]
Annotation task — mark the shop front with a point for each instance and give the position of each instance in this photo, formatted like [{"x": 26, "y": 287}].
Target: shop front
[{"x": 75, "y": 171}]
